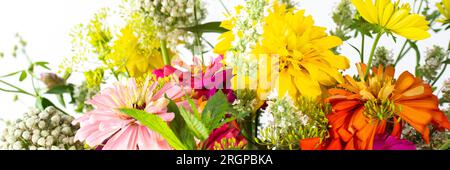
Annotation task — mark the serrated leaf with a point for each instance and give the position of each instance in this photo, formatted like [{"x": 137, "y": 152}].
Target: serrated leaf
[
  {"x": 179, "y": 127},
  {"x": 197, "y": 127},
  {"x": 216, "y": 110},
  {"x": 155, "y": 123},
  {"x": 23, "y": 76},
  {"x": 210, "y": 27}
]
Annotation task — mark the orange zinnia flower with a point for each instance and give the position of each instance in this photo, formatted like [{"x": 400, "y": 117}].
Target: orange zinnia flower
[{"x": 363, "y": 109}]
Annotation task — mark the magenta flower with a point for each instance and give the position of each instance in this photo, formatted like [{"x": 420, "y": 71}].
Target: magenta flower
[
  {"x": 164, "y": 72},
  {"x": 388, "y": 142},
  {"x": 225, "y": 132},
  {"x": 117, "y": 131},
  {"x": 205, "y": 81}
]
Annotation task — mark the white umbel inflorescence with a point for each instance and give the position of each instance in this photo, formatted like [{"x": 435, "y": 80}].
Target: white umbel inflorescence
[{"x": 49, "y": 129}]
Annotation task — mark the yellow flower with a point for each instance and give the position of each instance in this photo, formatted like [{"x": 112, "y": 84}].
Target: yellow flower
[
  {"x": 306, "y": 63},
  {"x": 444, "y": 9},
  {"x": 94, "y": 77},
  {"x": 393, "y": 18},
  {"x": 128, "y": 55},
  {"x": 225, "y": 38}
]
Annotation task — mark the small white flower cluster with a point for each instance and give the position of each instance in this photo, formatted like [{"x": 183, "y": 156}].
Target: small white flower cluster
[
  {"x": 46, "y": 130},
  {"x": 383, "y": 56},
  {"x": 282, "y": 113},
  {"x": 247, "y": 30},
  {"x": 446, "y": 93},
  {"x": 285, "y": 121},
  {"x": 170, "y": 15},
  {"x": 434, "y": 59}
]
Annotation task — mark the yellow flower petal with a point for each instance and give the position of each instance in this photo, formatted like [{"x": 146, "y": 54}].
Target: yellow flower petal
[{"x": 308, "y": 87}]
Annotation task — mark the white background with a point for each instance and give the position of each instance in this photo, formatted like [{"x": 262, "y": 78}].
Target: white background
[{"x": 45, "y": 25}]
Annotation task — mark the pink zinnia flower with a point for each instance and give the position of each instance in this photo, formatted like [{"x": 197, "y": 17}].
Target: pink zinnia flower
[
  {"x": 388, "y": 142},
  {"x": 204, "y": 80},
  {"x": 117, "y": 131}
]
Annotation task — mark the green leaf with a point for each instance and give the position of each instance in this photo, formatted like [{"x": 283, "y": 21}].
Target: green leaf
[
  {"x": 42, "y": 103},
  {"x": 359, "y": 52},
  {"x": 197, "y": 127},
  {"x": 23, "y": 76},
  {"x": 61, "y": 101},
  {"x": 216, "y": 109},
  {"x": 447, "y": 61},
  {"x": 155, "y": 123},
  {"x": 210, "y": 27},
  {"x": 43, "y": 64},
  {"x": 61, "y": 89},
  {"x": 179, "y": 127}
]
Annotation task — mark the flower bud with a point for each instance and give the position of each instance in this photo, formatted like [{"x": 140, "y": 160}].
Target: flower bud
[{"x": 52, "y": 80}]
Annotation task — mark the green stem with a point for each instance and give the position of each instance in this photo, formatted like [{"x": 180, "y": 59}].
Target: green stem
[
  {"x": 400, "y": 56},
  {"x": 165, "y": 53},
  {"x": 362, "y": 48},
  {"x": 224, "y": 7},
  {"x": 197, "y": 35},
  {"x": 17, "y": 89},
  {"x": 207, "y": 42},
  {"x": 420, "y": 6},
  {"x": 372, "y": 52},
  {"x": 440, "y": 74}
]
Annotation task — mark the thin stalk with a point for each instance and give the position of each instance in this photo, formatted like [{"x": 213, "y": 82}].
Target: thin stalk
[
  {"x": 165, "y": 53},
  {"x": 372, "y": 52},
  {"x": 440, "y": 74},
  {"x": 362, "y": 47},
  {"x": 31, "y": 74},
  {"x": 420, "y": 6},
  {"x": 17, "y": 89},
  {"x": 207, "y": 42},
  {"x": 400, "y": 56},
  {"x": 224, "y": 7},
  {"x": 197, "y": 35}
]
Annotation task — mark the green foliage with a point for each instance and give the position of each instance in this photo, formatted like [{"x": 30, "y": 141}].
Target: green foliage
[
  {"x": 216, "y": 110},
  {"x": 179, "y": 126},
  {"x": 210, "y": 27},
  {"x": 195, "y": 125},
  {"x": 155, "y": 123}
]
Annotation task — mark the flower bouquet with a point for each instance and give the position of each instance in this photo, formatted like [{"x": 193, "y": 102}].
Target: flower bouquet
[{"x": 273, "y": 79}]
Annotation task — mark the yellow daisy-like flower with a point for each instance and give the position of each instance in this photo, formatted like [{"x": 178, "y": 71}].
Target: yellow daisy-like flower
[
  {"x": 306, "y": 63},
  {"x": 225, "y": 38},
  {"x": 393, "y": 18},
  {"x": 444, "y": 9},
  {"x": 128, "y": 56}
]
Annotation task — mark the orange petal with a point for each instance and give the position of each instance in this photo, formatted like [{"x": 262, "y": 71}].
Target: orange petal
[
  {"x": 405, "y": 81},
  {"x": 310, "y": 144},
  {"x": 440, "y": 120},
  {"x": 366, "y": 136},
  {"x": 425, "y": 103},
  {"x": 412, "y": 115},
  {"x": 358, "y": 120},
  {"x": 397, "y": 130},
  {"x": 335, "y": 144},
  {"x": 346, "y": 105}
]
